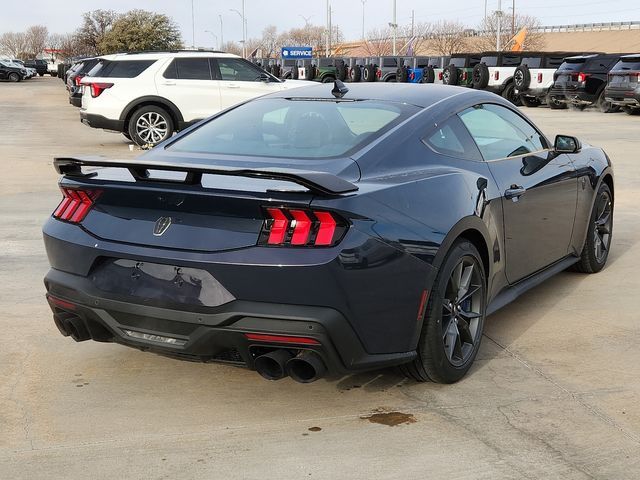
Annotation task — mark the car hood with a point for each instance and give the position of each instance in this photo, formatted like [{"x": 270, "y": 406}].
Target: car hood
[{"x": 288, "y": 84}]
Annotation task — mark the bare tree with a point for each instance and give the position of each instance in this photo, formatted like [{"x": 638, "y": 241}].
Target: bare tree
[
  {"x": 94, "y": 26},
  {"x": 378, "y": 42},
  {"x": 509, "y": 27},
  {"x": 231, "y": 47},
  {"x": 448, "y": 37},
  {"x": 36, "y": 37},
  {"x": 13, "y": 44},
  {"x": 270, "y": 41}
]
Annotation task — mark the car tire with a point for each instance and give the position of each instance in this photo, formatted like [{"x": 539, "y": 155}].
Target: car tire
[
  {"x": 555, "y": 104},
  {"x": 390, "y": 78},
  {"x": 41, "y": 74},
  {"x": 604, "y": 106},
  {"x": 328, "y": 79},
  {"x": 54, "y": 74},
  {"x": 14, "y": 77},
  {"x": 509, "y": 93},
  {"x": 631, "y": 111},
  {"x": 310, "y": 72},
  {"x": 355, "y": 74},
  {"x": 402, "y": 74},
  {"x": 450, "y": 75},
  {"x": 370, "y": 73},
  {"x": 159, "y": 121},
  {"x": 522, "y": 78},
  {"x": 598, "y": 242},
  {"x": 341, "y": 70},
  {"x": 529, "y": 102},
  {"x": 480, "y": 76},
  {"x": 443, "y": 355},
  {"x": 295, "y": 73}
]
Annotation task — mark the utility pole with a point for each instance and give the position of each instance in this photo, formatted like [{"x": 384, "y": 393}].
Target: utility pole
[
  {"x": 395, "y": 27},
  {"x": 499, "y": 29},
  {"x": 193, "y": 26},
  {"x": 244, "y": 32},
  {"x": 330, "y": 31},
  {"x": 326, "y": 46},
  {"x": 413, "y": 21},
  {"x": 513, "y": 18},
  {"x": 363, "y": 2},
  {"x": 221, "y": 32}
]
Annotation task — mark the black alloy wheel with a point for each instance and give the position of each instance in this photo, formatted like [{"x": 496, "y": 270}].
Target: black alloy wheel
[
  {"x": 454, "y": 318},
  {"x": 598, "y": 242},
  {"x": 509, "y": 93}
]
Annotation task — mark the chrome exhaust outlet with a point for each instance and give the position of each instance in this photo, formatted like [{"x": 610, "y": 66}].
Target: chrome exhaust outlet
[
  {"x": 306, "y": 367},
  {"x": 272, "y": 365}
]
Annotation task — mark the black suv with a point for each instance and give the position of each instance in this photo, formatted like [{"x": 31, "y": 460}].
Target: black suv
[
  {"x": 11, "y": 71},
  {"x": 581, "y": 81},
  {"x": 39, "y": 64},
  {"x": 623, "y": 87},
  {"x": 78, "y": 71}
]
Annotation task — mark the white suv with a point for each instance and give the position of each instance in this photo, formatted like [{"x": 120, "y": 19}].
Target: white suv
[
  {"x": 148, "y": 96},
  {"x": 495, "y": 73},
  {"x": 535, "y": 76}
]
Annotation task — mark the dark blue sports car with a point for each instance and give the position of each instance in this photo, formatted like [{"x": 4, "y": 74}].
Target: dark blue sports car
[{"x": 326, "y": 229}]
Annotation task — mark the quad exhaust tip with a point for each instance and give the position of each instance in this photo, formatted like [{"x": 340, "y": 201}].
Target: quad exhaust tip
[{"x": 272, "y": 365}]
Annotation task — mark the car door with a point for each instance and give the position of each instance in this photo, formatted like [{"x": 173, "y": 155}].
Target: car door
[
  {"x": 189, "y": 84},
  {"x": 3, "y": 71},
  {"x": 539, "y": 187},
  {"x": 241, "y": 81}
]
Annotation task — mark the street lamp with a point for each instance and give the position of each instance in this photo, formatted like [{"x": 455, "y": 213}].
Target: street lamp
[
  {"x": 221, "y": 32},
  {"x": 214, "y": 36},
  {"x": 244, "y": 29},
  {"x": 394, "y": 25},
  {"x": 306, "y": 19}
]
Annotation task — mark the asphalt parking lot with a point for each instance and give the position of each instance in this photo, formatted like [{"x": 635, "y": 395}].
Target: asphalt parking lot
[{"x": 554, "y": 392}]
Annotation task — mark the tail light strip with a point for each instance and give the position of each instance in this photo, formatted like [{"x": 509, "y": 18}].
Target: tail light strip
[
  {"x": 75, "y": 204},
  {"x": 301, "y": 228},
  {"x": 97, "y": 88}
]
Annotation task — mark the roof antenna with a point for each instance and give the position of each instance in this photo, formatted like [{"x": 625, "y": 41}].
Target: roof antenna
[{"x": 339, "y": 89}]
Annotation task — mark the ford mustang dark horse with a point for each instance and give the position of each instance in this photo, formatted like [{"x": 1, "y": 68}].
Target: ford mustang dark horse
[{"x": 322, "y": 230}]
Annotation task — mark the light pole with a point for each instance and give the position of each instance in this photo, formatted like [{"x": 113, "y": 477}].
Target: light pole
[
  {"x": 221, "y": 32},
  {"x": 326, "y": 48},
  {"x": 499, "y": 29},
  {"x": 394, "y": 26},
  {"x": 306, "y": 19},
  {"x": 193, "y": 26},
  {"x": 214, "y": 36},
  {"x": 363, "y": 2},
  {"x": 244, "y": 29}
]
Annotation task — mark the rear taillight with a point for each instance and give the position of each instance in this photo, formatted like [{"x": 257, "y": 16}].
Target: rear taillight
[
  {"x": 582, "y": 77},
  {"x": 379, "y": 73},
  {"x": 539, "y": 77},
  {"x": 75, "y": 204},
  {"x": 77, "y": 79},
  {"x": 496, "y": 75},
  {"x": 464, "y": 76},
  {"x": 287, "y": 227},
  {"x": 98, "y": 87},
  {"x": 440, "y": 76}
]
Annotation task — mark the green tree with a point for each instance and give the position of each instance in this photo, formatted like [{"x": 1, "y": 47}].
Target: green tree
[
  {"x": 94, "y": 26},
  {"x": 139, "y": 30}
]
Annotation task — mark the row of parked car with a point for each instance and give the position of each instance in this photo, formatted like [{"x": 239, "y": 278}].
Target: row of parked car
[
  {"x": 559, "y": 79},
  {"x": 15, "y": 70},
  {"x": 148, "y": 96}
]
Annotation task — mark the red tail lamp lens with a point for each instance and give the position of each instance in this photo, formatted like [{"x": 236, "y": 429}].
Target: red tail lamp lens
[
  {"x": 75, "y": 204},
  {"x": 262, "y": 337},
  {"x": 496, "y": 75},
  {"x": 297, "y": 227},
  {"x": 539, "y": 77},
  {"x": 77, "y": 79},
  {"x": 582, "y": 77},
  {"x": 440, "y": 76},
  {"x": 98, "y": 87}
]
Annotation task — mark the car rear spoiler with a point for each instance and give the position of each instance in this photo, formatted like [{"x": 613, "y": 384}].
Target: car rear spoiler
[{"x": 318, "y": 182}]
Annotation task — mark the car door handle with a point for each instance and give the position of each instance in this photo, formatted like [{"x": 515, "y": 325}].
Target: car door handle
[
  {"x": 515, "y": 192},
  {"x": 233, "y": 86},
  {"x": 168, "y": 84}
]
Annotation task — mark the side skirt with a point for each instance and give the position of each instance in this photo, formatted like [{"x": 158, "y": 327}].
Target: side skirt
[{"x": 510, "y": 294}]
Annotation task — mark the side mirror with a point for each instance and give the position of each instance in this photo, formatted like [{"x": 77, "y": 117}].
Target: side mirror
[{"x": 567, "y": 144}]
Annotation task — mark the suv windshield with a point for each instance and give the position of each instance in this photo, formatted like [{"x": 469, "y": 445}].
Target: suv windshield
[
  {"x": 572, "y": 65},
  {"x": 294, "y": 128},
  {"x": 532, "y": 62},
  {"x": 489, "y": 61}
]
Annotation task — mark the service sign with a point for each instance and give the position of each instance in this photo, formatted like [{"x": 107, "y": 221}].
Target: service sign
[{"x": 297, "y": 52}]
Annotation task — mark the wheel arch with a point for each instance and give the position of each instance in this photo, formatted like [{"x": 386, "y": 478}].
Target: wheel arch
[{"x": 170, "y": 107}]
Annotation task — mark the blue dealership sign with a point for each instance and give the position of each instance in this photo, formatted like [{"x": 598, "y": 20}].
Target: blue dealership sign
[{"x": 297, "y": 52}]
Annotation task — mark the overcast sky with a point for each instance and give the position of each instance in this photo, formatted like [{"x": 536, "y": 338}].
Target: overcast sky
[{"x": 64, "y": 16}]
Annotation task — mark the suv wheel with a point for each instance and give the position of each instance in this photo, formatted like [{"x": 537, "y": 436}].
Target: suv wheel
[
  {"x": 328, "y": 79},
  {"x": 604, "y": 106},
  {"x": 554, "y": 104},
  {"x": 454, "y": 318},
  {"x": 150, "y": 125},
  {"x": 510, "y": 94},
  {"x": 631, "y": 111},
  {"x": 480, "y": 76},
  {"x": 14, "y": 77},
  {"x": 529, "y": 101}
]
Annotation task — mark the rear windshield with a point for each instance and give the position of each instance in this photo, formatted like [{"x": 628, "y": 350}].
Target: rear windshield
[
  {"x": 294, "y": 128},
  {"x": 572, "y": 65},
  {"x": 489, "y": 61},
  {"x": 458, "y": 62},
  {"x": 628, "y": 64},
  {"x": 120, "y": 68},
  {"x": 532, "y": 62}
]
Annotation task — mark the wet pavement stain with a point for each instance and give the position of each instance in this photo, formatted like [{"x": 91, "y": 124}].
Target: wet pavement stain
[{"x": 391, "y": 419}]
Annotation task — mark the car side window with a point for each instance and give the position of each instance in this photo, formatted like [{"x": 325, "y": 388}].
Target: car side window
[
  {"x": 452, "y": 139},
  {"x": 235, "y": 69},
  {"x": 188, "y": 69},
  {"x": 500, "y": 133}
]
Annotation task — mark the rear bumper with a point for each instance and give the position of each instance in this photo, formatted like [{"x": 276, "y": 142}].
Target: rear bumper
[
  {"x": 98, "y": 121},
  {"x": 540, "y": 92},
  {"x": 573, "y": 96},
  {"x": 76, "y": 101},
  {"x": 215, "y": 336},
  {"x": 623, "y": 97}
]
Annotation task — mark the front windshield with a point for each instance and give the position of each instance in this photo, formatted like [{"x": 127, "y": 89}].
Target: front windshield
[{"x": 294, "y": 128}]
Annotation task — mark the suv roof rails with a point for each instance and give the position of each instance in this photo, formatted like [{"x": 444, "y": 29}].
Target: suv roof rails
[{"x": 192, "y": 50}]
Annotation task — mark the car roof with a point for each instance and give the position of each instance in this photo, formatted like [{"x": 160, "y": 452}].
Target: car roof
[
  {"x": 160, "y": 55},
  {"x": 414, "y": 94}
]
